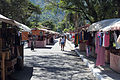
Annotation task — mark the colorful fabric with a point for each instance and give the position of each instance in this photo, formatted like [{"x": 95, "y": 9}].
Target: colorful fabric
[
  {"x": 81, "y": 36},
  {"x": 100, "y": 38},
  {"x": 100, "y": 51},
  {"x": 78, "y": 38},
  {"x": 106, "y": 39}
]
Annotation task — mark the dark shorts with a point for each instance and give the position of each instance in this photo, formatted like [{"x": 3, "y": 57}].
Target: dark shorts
[{"x": 62, "y": 43}]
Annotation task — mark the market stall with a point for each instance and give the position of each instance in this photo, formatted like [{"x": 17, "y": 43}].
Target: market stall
[
  {"x": 47, "y": 34},
  {"x": 51, "y": 36},
  {"x": 114, "y": 30},
  {"x": 107, "y": 42},
  {"x": 37, "y": 37},
  {"x": 11, "y": 49},
  {"x": 83, "y": 39},
  {"x": 25, "y": 35}
]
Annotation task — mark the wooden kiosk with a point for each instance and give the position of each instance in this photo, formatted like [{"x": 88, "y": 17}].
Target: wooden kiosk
[
  {"x": 38, "y": 37},
  {"x": 11, "y": 48}
]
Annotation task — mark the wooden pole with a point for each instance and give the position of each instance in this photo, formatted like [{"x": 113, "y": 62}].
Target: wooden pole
[{"x": 3, "y": 66}]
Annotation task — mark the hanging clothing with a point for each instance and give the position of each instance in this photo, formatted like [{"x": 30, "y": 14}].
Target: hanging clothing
[
  {"x": 100, "y": 51},
  {"x": 76, "y": 40},
  {"x": 86, "y": 35},
  {"x": 115, "y": 38},
  {"x": 103, "y": 40},
  {"x": 96, "y": 43},
  {"x": 100, "y": 36},
  {"x": 106, "y": 39},
  {"x": 88, "y": 51},
  {"x": 80, "y": 36},
  {"x": 118, "y": 39}
]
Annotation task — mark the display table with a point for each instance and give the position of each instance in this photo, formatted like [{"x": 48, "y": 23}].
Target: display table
[
  {"x": 38, "y": 44},
  {"x": 115, "y": 62}
]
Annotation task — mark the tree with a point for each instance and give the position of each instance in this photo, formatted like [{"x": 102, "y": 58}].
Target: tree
[
  {"x": 92, "y": 10},
  {"x": 49, "y": 24},
  {"x": 19, "y": 10}
]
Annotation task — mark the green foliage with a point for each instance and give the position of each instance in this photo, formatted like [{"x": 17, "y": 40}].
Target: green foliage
[
  {"x": 92, "y": 10},
  {"x": 19, "y": 10},
  {"x": 49, "y": 24},
  {"x": 66, "y": 30}
]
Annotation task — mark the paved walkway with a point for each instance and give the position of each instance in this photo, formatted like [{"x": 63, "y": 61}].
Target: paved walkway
[{"x": 51, "y": 63}]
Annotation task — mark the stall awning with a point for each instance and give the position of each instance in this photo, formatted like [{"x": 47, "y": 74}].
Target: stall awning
[
  {"x": 23, "y": 27},
  {"x": 49, "y": 31},
  {"x": 7, "y": 20},
  {"x": 14, "y": 23},
  {"x": 108, "y": 24},
  {"x": 114, "y": 26}
]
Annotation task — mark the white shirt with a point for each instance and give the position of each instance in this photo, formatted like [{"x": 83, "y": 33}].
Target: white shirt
[{"x": 63, "y": 40}]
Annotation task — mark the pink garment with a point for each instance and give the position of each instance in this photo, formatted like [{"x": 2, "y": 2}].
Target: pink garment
[
  {"x": 107, "y": 39},
  {"x": 100, "y": 53},
  {"x": 87, "y": 51},
  {"x": 96, "y": 43}
]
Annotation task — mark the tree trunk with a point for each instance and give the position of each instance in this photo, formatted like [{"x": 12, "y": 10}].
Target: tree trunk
[{"x": 76, "y": 21}]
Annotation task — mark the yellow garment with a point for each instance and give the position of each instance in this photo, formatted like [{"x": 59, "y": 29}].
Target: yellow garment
[{"x": 114, "y": 45}]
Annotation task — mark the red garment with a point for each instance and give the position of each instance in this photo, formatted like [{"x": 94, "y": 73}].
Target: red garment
[{"x": 107, "y": 38}]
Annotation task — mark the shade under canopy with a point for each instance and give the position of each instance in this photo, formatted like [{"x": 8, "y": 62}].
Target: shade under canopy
[{"x": 105, "y": 25}]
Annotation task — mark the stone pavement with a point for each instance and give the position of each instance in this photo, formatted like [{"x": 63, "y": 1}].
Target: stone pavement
[
  {"x": 51, "y": 63},
  {"x": 100, "y": 72}
]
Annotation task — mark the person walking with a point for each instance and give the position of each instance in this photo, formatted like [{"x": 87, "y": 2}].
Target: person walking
[{"x": 62, "y": 42}]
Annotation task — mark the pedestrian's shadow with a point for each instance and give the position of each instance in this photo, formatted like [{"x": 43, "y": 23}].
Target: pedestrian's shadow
[{"x": 24, "y": 74}]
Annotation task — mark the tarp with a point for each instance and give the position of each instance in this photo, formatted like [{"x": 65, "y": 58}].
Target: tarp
[
  {"x": 14, "y": 23},
  {"x": 105, "y": 25},
  {"x": 22, "y": 26}
]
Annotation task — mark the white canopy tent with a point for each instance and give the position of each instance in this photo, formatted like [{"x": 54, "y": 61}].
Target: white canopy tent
[
  {"x": 14, "y": 23},
  {"x": 105, "y": 25},
  {"x": 113, "y": 26}
]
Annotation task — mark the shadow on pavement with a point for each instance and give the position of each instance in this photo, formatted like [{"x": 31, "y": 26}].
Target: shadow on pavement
[
  {"x": 39, "y": 48},
  {"x": 60, "y": 66},
  {"x": 69, "y": 54},
  {"x": 24, "y": 74}
]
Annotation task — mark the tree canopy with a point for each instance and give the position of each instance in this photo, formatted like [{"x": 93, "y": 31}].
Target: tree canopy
[
  {"x": 49, "y": 24},
  {"x": 92, "y": 10},
  {"x": 19, "y": 10}
]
